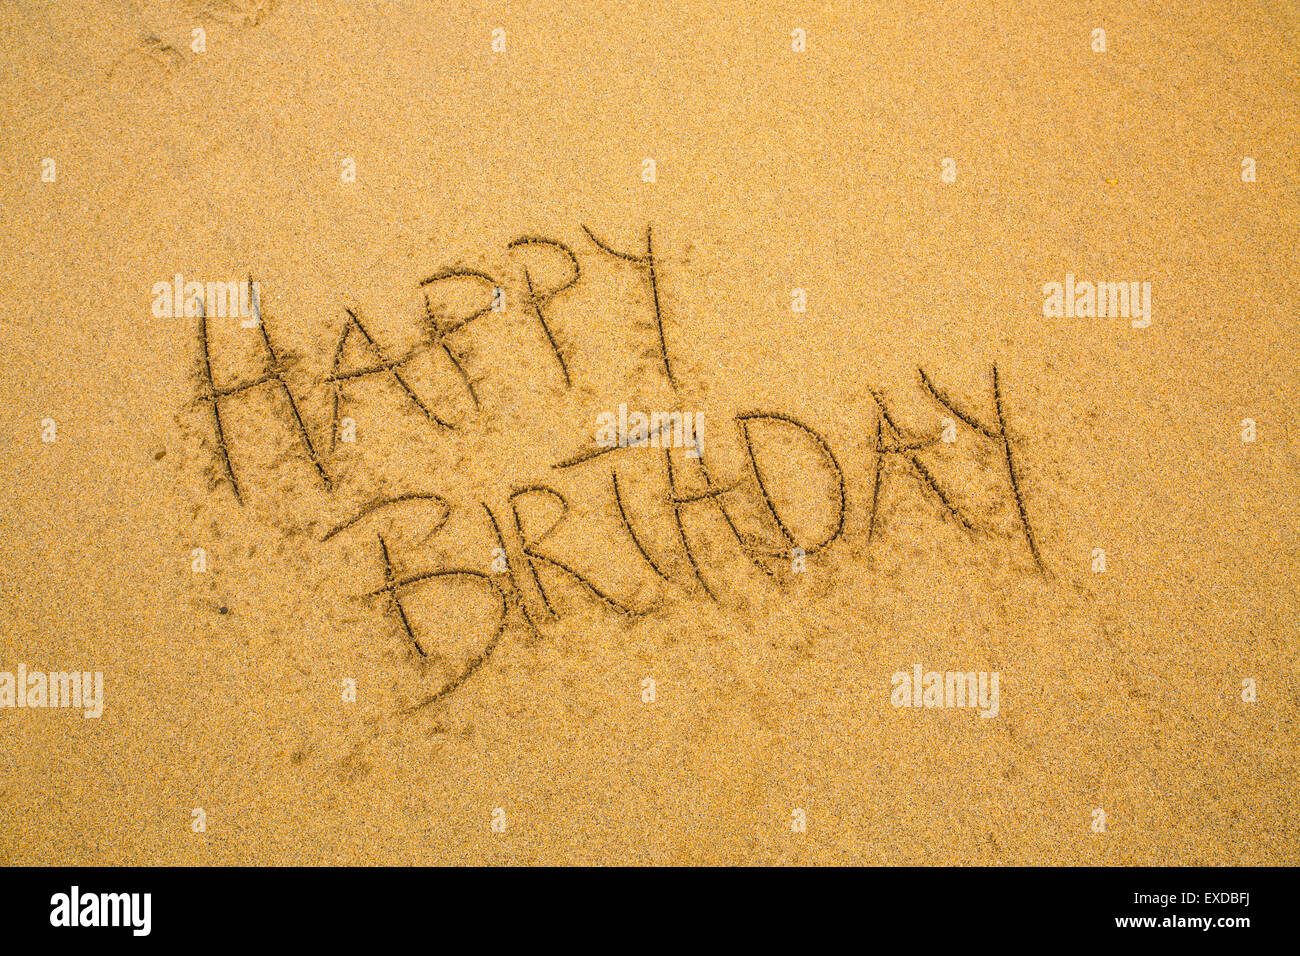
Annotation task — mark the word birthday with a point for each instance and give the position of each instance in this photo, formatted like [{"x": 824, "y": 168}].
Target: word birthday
[
  {"x": 685, "y": 528},
  {"x": 61, "y": 689}
]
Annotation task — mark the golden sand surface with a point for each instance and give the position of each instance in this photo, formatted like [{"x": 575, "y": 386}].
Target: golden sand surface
[{"x": 697, "y": 671}]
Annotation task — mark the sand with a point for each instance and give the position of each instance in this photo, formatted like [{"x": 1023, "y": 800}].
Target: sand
[{"x": 744, "y": 714}]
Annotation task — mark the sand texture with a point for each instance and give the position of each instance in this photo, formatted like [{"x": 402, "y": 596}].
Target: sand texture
[{"x": 361, "y": 580}]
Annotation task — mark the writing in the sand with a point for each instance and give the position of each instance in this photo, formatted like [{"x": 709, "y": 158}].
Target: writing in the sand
[{"x": 688, "y": 530}]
